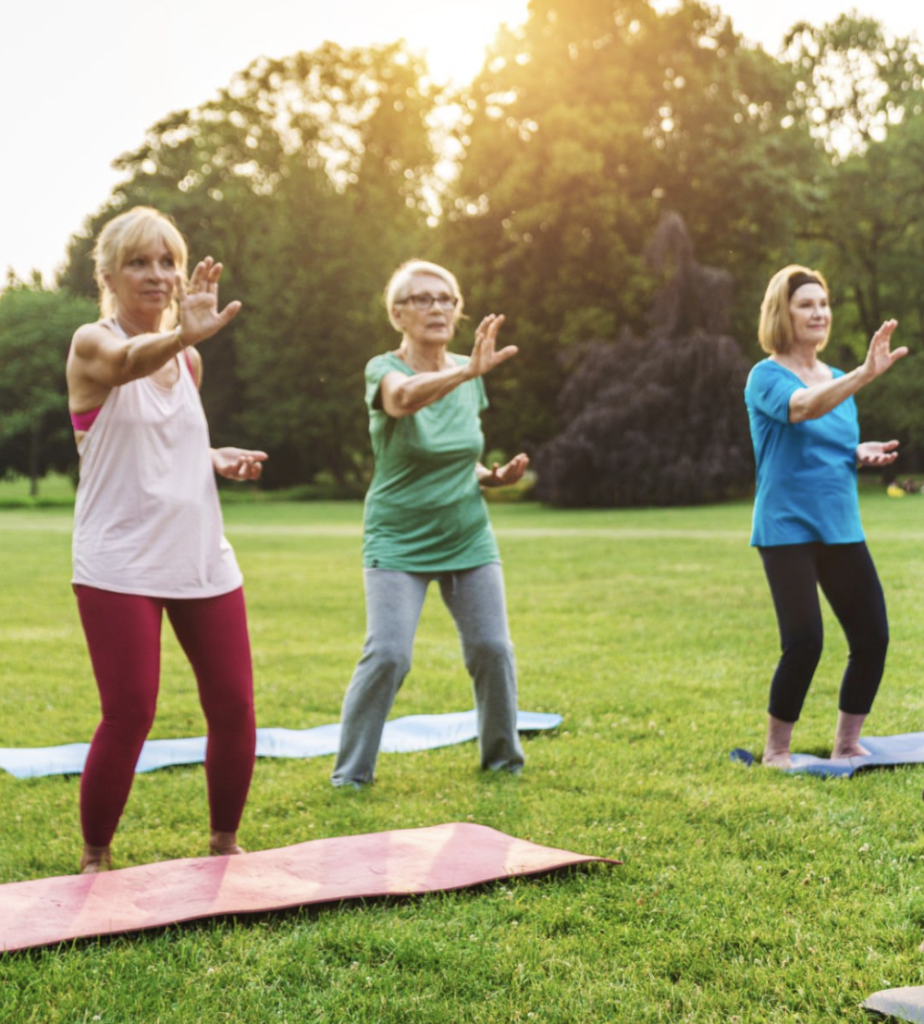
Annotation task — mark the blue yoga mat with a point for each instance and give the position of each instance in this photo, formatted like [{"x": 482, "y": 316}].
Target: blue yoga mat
[
  {"x": 401, "y": 736},
  {"x": 884, "y": 752},
  {"x": 898, "y": 1004}
]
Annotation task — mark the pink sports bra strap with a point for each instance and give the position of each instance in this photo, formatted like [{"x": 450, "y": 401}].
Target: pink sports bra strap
[{"x": 85, "y": 420}]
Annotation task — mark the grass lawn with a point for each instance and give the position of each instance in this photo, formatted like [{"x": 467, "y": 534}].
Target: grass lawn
[{"x": 745, "y": 895}]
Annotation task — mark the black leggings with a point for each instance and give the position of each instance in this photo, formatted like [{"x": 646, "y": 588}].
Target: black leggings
[{"x": 847, "y": 577}]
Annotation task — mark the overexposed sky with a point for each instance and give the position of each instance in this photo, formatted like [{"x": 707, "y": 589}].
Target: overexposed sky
[{"x": 80, "y": 82}]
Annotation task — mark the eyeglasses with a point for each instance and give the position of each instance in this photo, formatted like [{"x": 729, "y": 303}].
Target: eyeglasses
[{"x": 424, "y": 301}]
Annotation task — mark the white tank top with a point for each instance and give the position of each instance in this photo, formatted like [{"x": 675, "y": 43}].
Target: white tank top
[{"x": 147, "y": 518}]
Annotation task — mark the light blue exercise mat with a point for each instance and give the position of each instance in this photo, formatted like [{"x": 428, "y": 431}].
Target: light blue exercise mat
[
  {"x": 897, "y": 1004},
  {"x": 401, "y": 736},
  {"x": 884, "y": 752}
]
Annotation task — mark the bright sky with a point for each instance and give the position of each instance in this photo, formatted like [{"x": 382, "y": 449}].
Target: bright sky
[{"x": 80, "y": 82}]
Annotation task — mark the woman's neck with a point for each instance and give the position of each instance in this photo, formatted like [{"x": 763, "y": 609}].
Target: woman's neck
[
  {"x": 422, "y": 358},
  {"x": 133, "y": 324},
  {"x": 803, "y": 357}
]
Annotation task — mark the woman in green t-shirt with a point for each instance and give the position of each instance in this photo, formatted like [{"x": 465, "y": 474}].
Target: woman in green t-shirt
[{"x": 425, "y": 520}]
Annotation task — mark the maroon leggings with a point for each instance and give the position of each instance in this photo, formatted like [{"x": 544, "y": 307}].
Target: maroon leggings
[{"x": 123, "y": 635}]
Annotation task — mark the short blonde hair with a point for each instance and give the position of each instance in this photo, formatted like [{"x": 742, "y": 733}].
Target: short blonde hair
[
  {"x": 399, "y": 286},
  {"x": 124, "y": 237},
  {"x": 775, "y": 330}
]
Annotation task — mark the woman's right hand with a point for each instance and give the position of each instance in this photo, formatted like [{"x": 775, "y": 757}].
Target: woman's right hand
[
  {"x": 198, "y": 304},
  {"x": 880, "y": 357},
  {"x": 484, "y": 353}
]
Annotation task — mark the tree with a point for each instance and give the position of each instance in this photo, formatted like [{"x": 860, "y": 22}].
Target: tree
[
  {"x": 580, "y": 130},
  {"x": 861, "y": 93},
  {"x": 657, "y": 419},
  {"x": 854, "y": 81},
  {"x": 36, "y": 327},
  {"x": 307, "y": 177}
]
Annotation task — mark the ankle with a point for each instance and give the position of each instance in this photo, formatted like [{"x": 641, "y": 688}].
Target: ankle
[
  {"x": 224, "y": 844},
  {"x": 776, "y": 757},
  {"x": 95, "y": 859}
]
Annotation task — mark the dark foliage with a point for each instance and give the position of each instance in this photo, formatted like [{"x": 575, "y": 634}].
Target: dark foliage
[
  {"x": 35, "y": 331},
  {"x": 657, "y": 419}
]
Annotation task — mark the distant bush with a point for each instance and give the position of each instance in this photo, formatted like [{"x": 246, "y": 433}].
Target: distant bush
[{"x": 658, "y": 419}]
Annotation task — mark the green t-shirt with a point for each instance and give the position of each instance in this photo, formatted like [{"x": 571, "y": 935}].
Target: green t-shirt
[{"x": 424, "y": 510}]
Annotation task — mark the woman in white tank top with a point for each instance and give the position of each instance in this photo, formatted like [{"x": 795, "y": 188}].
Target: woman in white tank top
[{"x": 148, "y": 533}]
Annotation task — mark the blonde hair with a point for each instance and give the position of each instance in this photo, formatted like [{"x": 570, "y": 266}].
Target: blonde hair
[
  {"x": 127, "y": 235},
  {"x": 775, "y": 330},
  {"x": 399, "y": 287}
]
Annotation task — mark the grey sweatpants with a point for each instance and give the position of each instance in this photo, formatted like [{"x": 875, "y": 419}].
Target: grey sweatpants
[{"x": 394, "y": 600}]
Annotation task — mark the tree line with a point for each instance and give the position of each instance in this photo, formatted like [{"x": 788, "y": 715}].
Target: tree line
[{"x": 620, "y": 183}]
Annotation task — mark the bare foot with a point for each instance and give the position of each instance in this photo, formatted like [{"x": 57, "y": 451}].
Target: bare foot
[
  {"x": 224, "y": 844},
  {"x": 847, "y": 737},
  {"x": 857, "y": 750},
  {"x": 777, "y": 759},
  {"x": 776, "y": 746},
  {"x": 95, "y": 859}
]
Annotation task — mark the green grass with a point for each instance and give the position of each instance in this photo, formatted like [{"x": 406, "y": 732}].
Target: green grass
[
  {"x": 744, "y": 895},
  {"x": 54, "y": 489}
]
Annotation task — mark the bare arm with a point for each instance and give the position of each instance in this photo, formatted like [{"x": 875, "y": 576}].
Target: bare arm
[
  {"x": 403, "y": 395},
  {"x": 815, "y": 401},
  {"x": 100, "y": 359}
]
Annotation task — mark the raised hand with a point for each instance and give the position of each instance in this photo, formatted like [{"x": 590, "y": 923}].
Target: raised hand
[
  {"x": 198, "y": 303},
  {"x": 880, "y": 357},
  {"x": 238, "y": 463},
  {"x": 877, "y": 453},
  {"x": 484, "y": 353}
]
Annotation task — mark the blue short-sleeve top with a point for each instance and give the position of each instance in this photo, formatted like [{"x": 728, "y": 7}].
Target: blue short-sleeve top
[{"x": 806, "y": 472}]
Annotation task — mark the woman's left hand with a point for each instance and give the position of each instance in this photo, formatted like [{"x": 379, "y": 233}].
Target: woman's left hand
[
  {"x": 238, "y": 463},
  {"x": 197, "y": 301},
  {"x": 503, "y": 476},
  {"x": 877, "y": 453}
]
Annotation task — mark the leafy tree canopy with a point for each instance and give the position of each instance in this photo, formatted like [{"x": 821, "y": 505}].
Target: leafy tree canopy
[
  {"x": 583, "y": 127},
  {"x": 36, "y": 327},
  {"x": 307, "y": 178}
]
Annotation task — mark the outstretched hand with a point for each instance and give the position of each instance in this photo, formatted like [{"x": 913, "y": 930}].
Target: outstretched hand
[
  {"x": 504, "y": 476},
  {"x": 238, "y": 463},
  {"x": 877, "y": 453},
  {"x": 484, "y": 353},
  {"x": 880, "y": 357},
  {"x": 198, "y": 303}
]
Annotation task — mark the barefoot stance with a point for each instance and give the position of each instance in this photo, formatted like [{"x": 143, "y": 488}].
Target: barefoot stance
[
  {"x": 777, "y": 759},
  {"x": 224, "y": 844},
  {"x": 810, "y": 538},
  {"x": 95, "y": 859},
  {"x": 855, "y": 751}
]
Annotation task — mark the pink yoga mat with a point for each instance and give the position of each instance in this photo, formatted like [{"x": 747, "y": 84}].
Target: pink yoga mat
[{"x": 400, "y": 863}]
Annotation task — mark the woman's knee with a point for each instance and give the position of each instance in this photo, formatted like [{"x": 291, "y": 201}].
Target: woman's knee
[
  {"x": 233, "y": 712},
  {"x": 804, "y": 646},
  {"x": 381, "y": 659},
  {"x": 872, "y": 643},
  {"x": 489, "y": 651},
  {"x": 132, "y": 721}
]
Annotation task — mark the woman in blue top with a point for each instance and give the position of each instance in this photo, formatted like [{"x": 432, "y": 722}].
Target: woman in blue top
[
  {"x": 806, "y": 513},
  {"x": 425, "y": 520}
]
